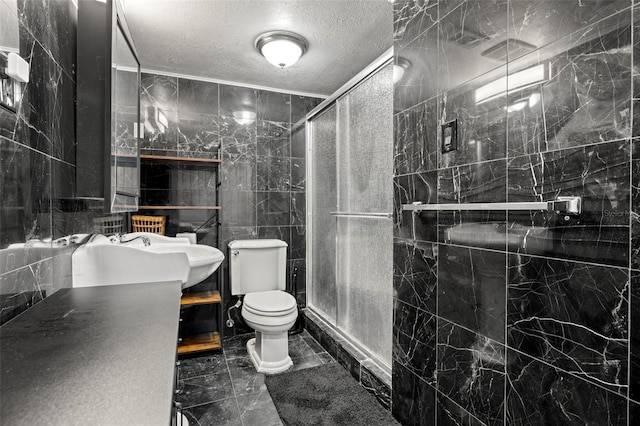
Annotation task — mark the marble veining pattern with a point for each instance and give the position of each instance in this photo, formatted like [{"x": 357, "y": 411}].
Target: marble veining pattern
[{"x": 518, "y": 318}]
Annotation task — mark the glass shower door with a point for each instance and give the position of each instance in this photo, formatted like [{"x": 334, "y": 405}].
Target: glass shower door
[{"x": 352, "y": 241}]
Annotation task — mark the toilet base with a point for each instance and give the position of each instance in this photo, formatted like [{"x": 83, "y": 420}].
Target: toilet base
[{"x": 269, "y": 353}]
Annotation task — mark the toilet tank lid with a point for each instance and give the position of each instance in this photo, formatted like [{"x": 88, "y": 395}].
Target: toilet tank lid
[{"x": 263, "y": 243}]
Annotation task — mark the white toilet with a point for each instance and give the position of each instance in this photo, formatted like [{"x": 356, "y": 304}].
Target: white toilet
[{"x": 258, "y": 271}]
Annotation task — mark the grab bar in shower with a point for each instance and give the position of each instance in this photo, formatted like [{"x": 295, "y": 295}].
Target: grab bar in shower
[
  {"x": 571, "y": 206},
  {"x": 362, "y": 214}
]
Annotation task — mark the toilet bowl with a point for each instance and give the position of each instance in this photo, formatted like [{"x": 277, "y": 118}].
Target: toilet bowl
[
  {"x": 271, "y": 314},
  {"x": 258, "y": 271}
]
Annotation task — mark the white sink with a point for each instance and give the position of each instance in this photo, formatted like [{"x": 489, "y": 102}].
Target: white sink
[{"x": 107, "y": 261}]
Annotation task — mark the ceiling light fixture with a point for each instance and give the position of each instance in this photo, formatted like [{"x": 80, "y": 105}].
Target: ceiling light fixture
[
  {"x": 281, "y": 48},
  {"x": 399, "y": 69},
  {"x": 244, "y": 117}
]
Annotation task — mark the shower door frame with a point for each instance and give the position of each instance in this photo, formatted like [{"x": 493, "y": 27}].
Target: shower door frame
[{"x": 332, "y": 101}]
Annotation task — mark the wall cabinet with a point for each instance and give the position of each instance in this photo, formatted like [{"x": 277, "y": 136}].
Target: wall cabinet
[{"x": 108, "y": 108}]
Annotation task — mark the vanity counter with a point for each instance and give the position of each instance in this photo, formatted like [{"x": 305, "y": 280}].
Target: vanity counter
[{"x": 96, "y": 355}]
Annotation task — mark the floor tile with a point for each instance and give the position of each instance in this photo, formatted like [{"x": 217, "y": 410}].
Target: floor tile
[
  {"x": 236, "y": 347},
  {"x": 300, "y": 363},
  {"x": 219, "y": 413},
  {"x": 258, "y": 410},
  {"x": 202, "y": 366},
  {"x": 204, "y": 389},
  {"x": 245, "y": 378}
]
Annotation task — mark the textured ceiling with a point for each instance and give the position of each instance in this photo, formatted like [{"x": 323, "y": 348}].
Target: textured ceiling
[{"x": 214, "y": 39}]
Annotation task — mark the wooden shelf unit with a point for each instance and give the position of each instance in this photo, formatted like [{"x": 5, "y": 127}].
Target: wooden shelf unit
[
  {"x": 178, "y": 207},
  {"x": 203, "y": 298},
  {"x": 168, "y": 159},
  {"x": 199, "y": 343}
]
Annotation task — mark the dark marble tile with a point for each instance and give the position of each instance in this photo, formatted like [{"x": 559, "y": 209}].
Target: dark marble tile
[
  {"x": 234, "y": 98},
  {"x": 471, "y": 371},
  {"x": 466, "y": 29},
  {"x": 258, "y": 410},
  {"x": 325, "y": 357},
  {"x": 407, "y": 189},
  {"x": 237, "y": 140},
  {"x": 350, "y": 358},
  {"x": 412, "y": 18},
  {"x": 238, "y": 173},
  {"x": 377, "y": 382},
  {"x": 239, "y": 208},
  {"x": 204, "y": 389},
  {"x": 450, "y": 413},
  {"x": 198, "y": 135},
  {"x": 481, "y": 182},
  {"x": 415, "y": 274},
  {"x": 471, "y": 290},
  {"x": 159, "y": 114},
  {"x": 414, "y": 341},
  {"x": 221, "y": 413},
  {"x": 307, "y": 361},
  {"x": 301, "y": 105},
  {"x": 298, "y": 209},
  {"x": 273, "y": 208},
  {"x": 634, "y": 339},
  {"x": 274, "y": 106},
  {"x": 416, "y": 137},
  {"x": 26, "y": 188},
  {"x": 540, "y": 394},
  {"x": 298, "y": 181},
  {"x": 273, "y": 138},
  {"x": 197, "y": 97},
  {"x": 236, "y": 346},
  {"x": 312, "y": 343},
  {"x": 202, "y": 366},
  {"x": 273, "y": 173},
  {"x": 413, "y": 399},
  {"x": 244, "y": 377},
  {"x": 230, "y": 233},
  {"x": 297, "y": 247},
  {"x": 597, "y": 173},
  {"x": 298, "y": 141},
  {"x": 63, "y": 182},
  {"x": 276, "y": 232},
  {"x": 571, "y": 315},
  {"x": 635, "y": 203}
]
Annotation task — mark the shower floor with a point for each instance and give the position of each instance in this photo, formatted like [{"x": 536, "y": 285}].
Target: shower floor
[{"x": 225, "y": 389}]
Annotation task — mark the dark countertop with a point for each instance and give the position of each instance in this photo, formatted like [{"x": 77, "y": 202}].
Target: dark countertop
[{"x": 92, "y": 356}]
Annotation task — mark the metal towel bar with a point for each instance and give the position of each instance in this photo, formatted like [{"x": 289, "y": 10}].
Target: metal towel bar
[
  {"x": 562, "y": 205},
  {"x": 361, "y": 214}
]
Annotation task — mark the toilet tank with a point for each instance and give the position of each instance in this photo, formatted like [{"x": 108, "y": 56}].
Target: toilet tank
[{"x": 257, "y": 265}]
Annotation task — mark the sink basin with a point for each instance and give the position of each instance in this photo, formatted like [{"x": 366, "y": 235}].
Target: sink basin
[{"x": 107, "y": 261}]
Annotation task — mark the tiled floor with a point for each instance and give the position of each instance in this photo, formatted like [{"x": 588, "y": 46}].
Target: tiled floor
[{"x": 225, "y": 389}]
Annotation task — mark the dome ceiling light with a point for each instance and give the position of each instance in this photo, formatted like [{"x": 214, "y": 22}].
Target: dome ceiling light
[
  {"x": 399, "y": 69},
  {"x": 281, "y": 48}
]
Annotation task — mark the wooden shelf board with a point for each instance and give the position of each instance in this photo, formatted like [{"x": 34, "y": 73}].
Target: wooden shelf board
[
  {"x": 202, "y": 298},
  {"x": 186, "y": 160},
  {"x": 178, "y": 207},
  {"x": 199, "y": 343}
]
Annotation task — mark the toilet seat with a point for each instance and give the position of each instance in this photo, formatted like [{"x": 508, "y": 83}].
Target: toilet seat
[{"x": 274, "y": 303}]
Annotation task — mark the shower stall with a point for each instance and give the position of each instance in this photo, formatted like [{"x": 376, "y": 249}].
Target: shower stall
[{"x": 349, "y": 211}]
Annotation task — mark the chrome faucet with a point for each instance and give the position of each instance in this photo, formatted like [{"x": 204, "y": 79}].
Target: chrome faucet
[{"x": 144, "y": 238}]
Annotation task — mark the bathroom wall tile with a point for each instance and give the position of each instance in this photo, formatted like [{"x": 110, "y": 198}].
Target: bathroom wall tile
[
  {"x": 465, "y": 31},
  {"x": 273, "y": 173},
  {"x": 471, "y": 371},
  {"x": 412, "y": 18},
  {"x": 420, "y": 187},
  {"x": 197, "y": 97},
  {"x": 416, "y": 136},
  {"x": 234, "y": 98},
  {"x": 238, "y": 140},
  {"x": 414, "y": 341},
  {"x": 158, "y": 112},
  {"x": 538, "y": 393},
  {"x": 482, "y": 182},
  {"x": 450, "y": 413},
  {"x": 26, "y": 194},
  {"x": 298, "y": 141},
  {"x": 298, "y": 208},
  {"x": 230, "y": 233},
  {"x": 481, "y": 128},
  {"x": 273, "y": 138},
  {"x": 597, "y": 173},
  {"x": 198, "y": 135},
  {"x": 420, "y": 56},
  {"x": 298, "y": 175},
  {"x": 276, "y": 232},
  {"x": 273, "y": 208},
  {"x": 634, "y": 338},
  {"x": 65, "y": 221},
  {"x": 635, "y": 203},
  {"x": 297, "y": 248},
  {"x": 571, "y": 315},
  {"x": 415, "y": 274},
  {"x": 301, "y": 106},
  {"x": 350, "y": 358},
  {"x": 413, "y": 399},
  {"x": 239, "y": 208},
  {"x": 471, "y": 290},
  {"x": 273, "y": 106},
  {"x": 238, "y": 173}
]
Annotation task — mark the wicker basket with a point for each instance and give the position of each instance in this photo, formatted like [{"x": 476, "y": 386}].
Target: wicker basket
[
  {"x": 109, "y": 225},
  {"x": 154, "y": 224}
]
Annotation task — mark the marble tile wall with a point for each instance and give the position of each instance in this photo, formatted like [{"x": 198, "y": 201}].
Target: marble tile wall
[
  {"x": 262, "y": 174},
  {"x": 518, "y": 318},
  {"x": 37, "y": 157}
]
